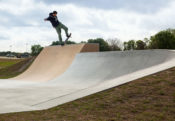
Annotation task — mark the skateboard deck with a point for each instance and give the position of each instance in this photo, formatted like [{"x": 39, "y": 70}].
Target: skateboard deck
[{"x": 66, "y": 40}]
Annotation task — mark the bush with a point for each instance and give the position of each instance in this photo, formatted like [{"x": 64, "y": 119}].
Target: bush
[{"x": 59, "y": 43}]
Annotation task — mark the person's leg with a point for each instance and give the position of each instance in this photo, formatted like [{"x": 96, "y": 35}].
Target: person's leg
[
  {"x": 58, "y": 29},
  {"x": 65, "y": 29}
]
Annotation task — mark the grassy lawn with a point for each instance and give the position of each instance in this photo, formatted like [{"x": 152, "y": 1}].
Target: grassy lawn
[
  {"x": 12, "y": 67},
  {"x": 151, "y": 98},
  {"x": 8, "y": 62}
]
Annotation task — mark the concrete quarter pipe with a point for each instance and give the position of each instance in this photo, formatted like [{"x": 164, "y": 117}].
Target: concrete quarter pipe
[
  {"x": 53, "y": 61},
  {"x": 87, "y": 74}
]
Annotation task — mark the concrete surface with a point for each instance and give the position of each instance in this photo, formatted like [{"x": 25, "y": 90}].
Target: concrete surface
[
  {"x": 53, "y": 61},
  {"x": 89, "y": 73}
]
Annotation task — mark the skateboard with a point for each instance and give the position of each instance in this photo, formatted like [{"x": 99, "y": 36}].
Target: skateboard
[{"x": 66, "y": 40}]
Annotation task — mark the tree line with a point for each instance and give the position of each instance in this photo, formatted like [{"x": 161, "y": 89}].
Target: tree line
[{"x": 162, "y": 40}]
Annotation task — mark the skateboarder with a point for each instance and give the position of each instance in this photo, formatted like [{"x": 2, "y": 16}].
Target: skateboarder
[{"x": 57, "y": 25}]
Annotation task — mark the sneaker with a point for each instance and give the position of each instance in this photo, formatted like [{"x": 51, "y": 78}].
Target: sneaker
[{"x": 68, "y": 35}]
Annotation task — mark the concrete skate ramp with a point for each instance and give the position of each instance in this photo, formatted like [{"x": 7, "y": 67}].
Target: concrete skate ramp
[
  {"x": 89, "y": 73},
  {"x": 53, "y": 61},
  {"x": 99, "y": 67}
]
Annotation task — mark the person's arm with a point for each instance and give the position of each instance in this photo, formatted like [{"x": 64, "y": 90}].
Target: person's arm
[{"x": 47, "y": 19}]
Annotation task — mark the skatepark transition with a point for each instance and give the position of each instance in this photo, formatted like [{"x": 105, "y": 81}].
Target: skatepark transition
[{"x": 63, "y": 74}]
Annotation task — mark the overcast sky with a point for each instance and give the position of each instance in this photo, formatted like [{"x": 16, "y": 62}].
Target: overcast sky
[{"x": 22, "y": 25}]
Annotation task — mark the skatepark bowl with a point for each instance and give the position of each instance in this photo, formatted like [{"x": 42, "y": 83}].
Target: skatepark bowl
[{"x": 63, "y": 74}]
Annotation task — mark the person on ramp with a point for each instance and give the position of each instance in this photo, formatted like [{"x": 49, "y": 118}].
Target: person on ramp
[{"x": 58, "y": 26}]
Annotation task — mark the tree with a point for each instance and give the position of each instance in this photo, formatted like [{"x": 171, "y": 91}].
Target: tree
[
  {"x": 125, "y": 44},
  {"x": 146, "y": 41},
  {"x": 70, "y": 42},
  {"x": 36, "y": 49},
  {"x": 114, "y": 44},
  {"x": 130, "y": 45},
  {"x": 140, "y": 45},
  {"x": 59, "y": 43},
  {"x": 56, "y": 43},
  {"x": 163, "y": 40},
  {"x": 102, "y": 43},
  {"x": 83, "y": 42},
  {"x": 171, "y": 31}
]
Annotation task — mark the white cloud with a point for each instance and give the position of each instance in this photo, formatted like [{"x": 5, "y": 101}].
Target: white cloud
[{"x": 17, "y": 7}]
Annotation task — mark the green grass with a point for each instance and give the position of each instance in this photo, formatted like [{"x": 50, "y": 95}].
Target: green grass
[
  {"x": 12, "y": 67},
  {"x": 151, "y": 98},
  {"x": 8, "y": 62}
]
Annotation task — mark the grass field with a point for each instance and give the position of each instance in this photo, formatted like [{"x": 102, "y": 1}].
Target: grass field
[
  {"x": 13, "y": 67},
  {"x": 151, "y": 98},
  {"x": 8, "y": 62}
]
